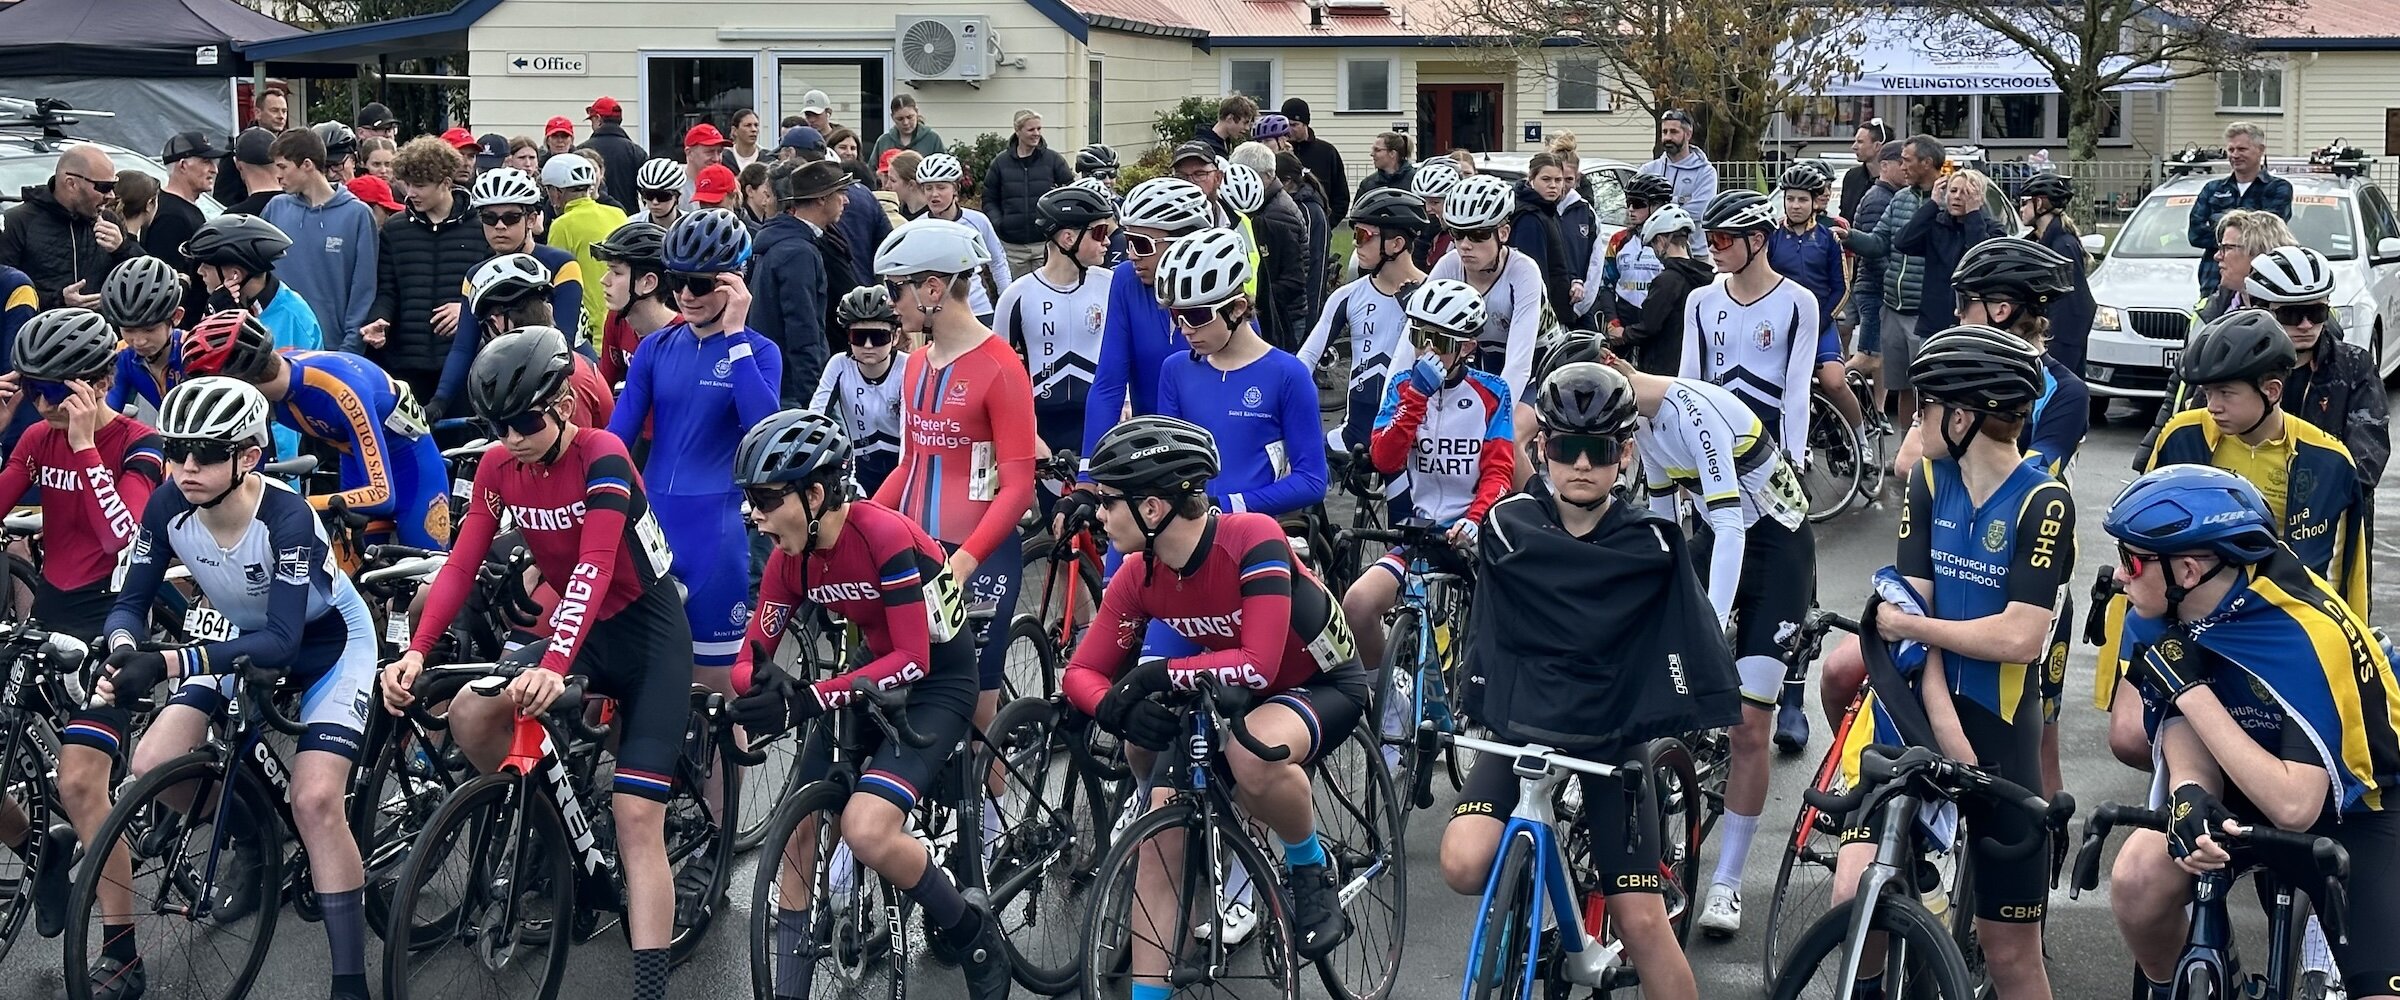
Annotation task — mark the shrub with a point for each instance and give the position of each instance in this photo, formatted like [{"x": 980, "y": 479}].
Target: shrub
[{"x": 977, "y": 157}]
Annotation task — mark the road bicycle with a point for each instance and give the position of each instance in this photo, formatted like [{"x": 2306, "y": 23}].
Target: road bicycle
[
  {"x": 1425, "y": 658},
  {"x": 43, "y": 677},
  {"x": 1804, "y": 880},
  {"x": 1840, "y": 474}
]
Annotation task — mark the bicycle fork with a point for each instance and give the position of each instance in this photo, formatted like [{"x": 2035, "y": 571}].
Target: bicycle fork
[{"x": 1583, "y": 960}]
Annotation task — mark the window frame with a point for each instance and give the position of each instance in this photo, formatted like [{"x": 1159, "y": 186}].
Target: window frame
[
  {"x": 1341, "y": 84},
  {"x": 1274, "y": 78},
  {"x": 644, "y": 57},
  {"x": 1603, "y": 100},
  {"x": 1095, "y": 86},
  {"x": 2259, "y": 74}
]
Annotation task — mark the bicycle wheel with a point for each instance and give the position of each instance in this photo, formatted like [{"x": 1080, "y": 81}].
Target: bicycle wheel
[
  {"x": 1667, "y": 763},
  {"x": 1363, "y": 828},
  {"x": 765, "y": 786},
  {"x": 1920, "y": 961},
  {"x": 1053, "y": 832},
  {"x": 699, "y": 845},
  {"x": 394, "y": 798},
  {"x": 1831, "y": 479},
  {"x": 1064, "y": 579},
  {"x": 1395, "y": 711},
  {"x": 25, "y": 781},
  {"x": 1496, "y": 966},
  {"x": 1127, "y": 935},
  {"x": 488, "y": 899},
  {"x": 205, "y": 893},
  {"x": 1804, "y": 881},
  {"x": 1032, "y": 662},
  {"x": 17, "y": 590},
  {"x": 848, "y": 937}
]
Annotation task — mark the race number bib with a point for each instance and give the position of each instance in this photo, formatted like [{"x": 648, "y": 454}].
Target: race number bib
[
  {"x": 1278, "y": 460},
  {"x": 983, "y": 476},
  {"x": 1785, "y": 501},
  {"x": 209, "y": 625},
  {"x": 395, "y": 629},
  {"x": 654, "y": 542},
  {"x": 408, "y": 418},
  {"x": 1333, "y": 647},
  {"x": 945, "y": 607}
]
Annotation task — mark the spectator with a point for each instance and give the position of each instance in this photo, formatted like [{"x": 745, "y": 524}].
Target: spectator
[
  {"x": 377, "y": 194},
  {"x": 2247, "y": 184},
  {"x": 714, "y": 187},
  {"x": 816, "y": 110},
  {"x": 467, "y": 147},
  {"x": 1018, "y": 178},
  {"x": 191, "y": 159},
  {"x": 1866, "y": 143},
  {"x": 341, "y": 151},
  {"x": 578, "y": 224},
  {"x": 422, "y": 265},
  {"x": 490, "y": 153},
  {"x": 1921, "y": 159},
  {"x": 1466, "y": 160},
  {"x": 375, "y": 122},
  {"x": 557, "y": 137},
  {"x": 1322, "y": 160},
  {"x": 791, "y": 121},
  {"x": 742, "y": 134},
  {"x": 1654, "y": 330},
  {"x": 254, "y": 167},
  {"x": 335, "y": 235},
  {"x": 662, "y": 183},
  {"x": 1866, "y": 279},
  {"x": 1957, "y": 221},
  {"x": 1282, "y": 232},
  {"x": 270, "y": 111},
  {"x": 1235, "y": 115},
  {"x": 800, "y": 142},
  {"x": 938, "y": 176},
  {"x": 1392, "y": 168},
  {"x": 136, "y": 201},
  {"x": 2042, "y": 206},
  {"x": 62, "y": 234},
  {"x": 788, "y": 271},
  {"x": 375, "y": 157},
  {"x": 2243, "y": 235},
  {"x": 844, "y": 145},
  {"x": 908, "y": 130},
  {"x": 620, "y": 156},
  {"x": 896, "y": 190},
  {"x": 274, "y": 107},
  {"x": 702, "y": 145},
  {"x": 525, "y": 156},
  {"x": 1554, "y": 227},
  {"x": 1310, "y": 196},
  {"x": 758, "y": 197},
  {"x": 1686, "y": 167},
  {"x": 863, "y": 225}
]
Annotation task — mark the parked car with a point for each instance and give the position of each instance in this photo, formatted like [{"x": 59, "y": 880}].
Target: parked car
[
  {"x": 33, "y": 134},
  {"x": 1604, "y": 181}
]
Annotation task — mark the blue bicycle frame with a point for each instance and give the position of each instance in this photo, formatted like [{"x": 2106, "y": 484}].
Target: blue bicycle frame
[{"x": 1584, "y": 960}]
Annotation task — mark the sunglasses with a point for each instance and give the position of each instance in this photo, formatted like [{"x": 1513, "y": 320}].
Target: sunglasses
[
  {"x": 1195, "y": 317},
  {"x": 1440, "y": 340},
  {"x": 1986, "y": 300},
  {"x": 867, "y": 336},
  {"x": 765, "y": 499},
  {"x": 2311, "y": 313},
  {"x": 1141, "y": 245},
  {"x": 1112, "y": 499},
  {"x": 1566, "y": 448},
  {"x": 694, "y": 285},
  {"x": 1720, "y": 241},
  {"x": 52, "y": 393},
  {"x": 661, "y": 195},
  {"x": 894, "y": 286},
  {"x": 1475, "y": 235},
  {"x": 2135, "y": 563},
  {"x": 525, "y": 424},
  {"x": 108, "y": 186},
  {"x": 1099, "y": 234},
  {"x": 501, "y": 218},
  {"x": 180, "y": 450}
]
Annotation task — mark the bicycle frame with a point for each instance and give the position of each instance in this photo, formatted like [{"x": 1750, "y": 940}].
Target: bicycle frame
[
  {"x": 1896, "y": 851},
  {"x": 1586, "y": 961},
  {"x": 1422, "y": 589},
  {"x": 534, "y": 757}
]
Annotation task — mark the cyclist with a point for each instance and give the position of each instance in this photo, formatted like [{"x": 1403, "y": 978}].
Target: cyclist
[
  {"x": 513, "y": 292},
  {"x": 1268, "y": 631},
  {"x": 1628, "y": 263},
  {"x": 2268, "y": 703},
  {"x": 1431, "y": 183},
  {"x": 1137, "y": 335},
  {"x": 1367, "y": 311},
  {"x": 1755, "y": 332},
  {"x": 143, "y": 297},
  {"x": 635, "y": 308},
  {"x": 1802, "y": 247},
  {"x": 939, "y": 177},
  {"x": 1986, "y": 540},
  {"x": 1053, "y": 315},
  {"x": 2336, "y": 386},
  {"x": 881, "y": 572},
  {"x": 1654, "y": 334},
  {"x": 1258, "y": 402},
  {"x": 1096, "y": 160},
  {"x": 664, "y": 189},
  {"x": 391, "y": 470},
  {"x": 860, "y": 382},
  {"x": 277, "y": 585},
  {"x": 581, "y": 511},
  {"x": 508, "y": 203},
  {"x": 1476, "y": 216},
  {"x": 1554, "y": 674},
  {"x": 234, "y": 257}
]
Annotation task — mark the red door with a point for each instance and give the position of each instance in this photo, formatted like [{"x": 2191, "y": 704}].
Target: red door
[{"x": 1458, "y": 116}]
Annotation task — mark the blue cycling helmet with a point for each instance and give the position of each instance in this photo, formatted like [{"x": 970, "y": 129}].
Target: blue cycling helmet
[
  {"x": 2194, "y": 508},
  {"x": 709, "y": 241}
]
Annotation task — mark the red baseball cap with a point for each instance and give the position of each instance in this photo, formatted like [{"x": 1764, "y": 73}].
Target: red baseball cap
[
  {"x": 714, "y": 184},
  {"x": 461, "y": 139},
  {"x": 704, "y": 134},
  {"x": 372, "y": 190},
  {"x": 606, "y": 107},
  {"x": 884, "y": 162},
  {"x": 559, "y": 123}
]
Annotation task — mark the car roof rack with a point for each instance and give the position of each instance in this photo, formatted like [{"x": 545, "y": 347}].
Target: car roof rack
[
  {"x": 2192, "y": 159},
  {"x": 2340, "y": 159},
  {"x": 48, "y": 116}
]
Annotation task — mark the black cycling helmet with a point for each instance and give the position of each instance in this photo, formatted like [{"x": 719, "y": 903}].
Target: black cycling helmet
[
  {"x": 519, "y": 372},
  {"x": 637, "y": 244},
  {"x": 1391, "y": 208},
  {"x": 1978, "y": 368},
  {"x": 1586, "y": 398},
  {"x": 340, "y": 142},
  {"x": 143, "y": 291},
  {"x": 1096, "y": 160},
  {"x": 1071, "y": 207},
  {"x": 1649, "y": 189},
  {"x": 2245, "y": 345},
  {"x": 1742, "y": 211},
  {"x": 1577, "y": 347},
  {"x": 245, "y": 241},
  {"x": 2015, "y": 268},
  {"x": 1155, "y": 456},
  {"x": 866, "y": 304},
  {"x": 709, "y": 241},
  {"x": 66, "y": 343},
  {"x": 795, "y": 446},
  {"x": 2059, "y": 189},
  {"x": 1803, "y": 177}
]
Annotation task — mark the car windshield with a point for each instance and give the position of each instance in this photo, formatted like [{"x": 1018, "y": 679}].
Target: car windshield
[
  {"x": 20, "y": 172},
  {"x": 2159, "y": 229}
]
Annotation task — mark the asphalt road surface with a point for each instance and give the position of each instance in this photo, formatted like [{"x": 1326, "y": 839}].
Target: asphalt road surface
[{"x": 2086, "y": 958}]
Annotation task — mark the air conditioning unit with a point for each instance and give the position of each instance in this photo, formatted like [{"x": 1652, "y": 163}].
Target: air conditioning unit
[{"x": 956, "y": 47}]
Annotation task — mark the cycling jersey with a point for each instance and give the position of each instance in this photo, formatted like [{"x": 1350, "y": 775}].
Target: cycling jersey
[
  {"x": 289, "y": 317},
  {"x": 135, "y": 385},
  {"x": 1136, "y": 337},
  {"x": 1375, "y": 323},
  {"x": 566, "y": 313},
  {"x": 390, "y": 466},
  {"x": 2016, "y": 547},
  {"x": 883, "y": 574},
  {"x": 1270, "y": 437},
  {"x": 1765, "y": 351},
  {"x": 1516, "y": 314},
  {"x": 2059, "y": 420},
  {"x": 966, "y": 455},
  {"x": 870, "y": 409},
  {"x": 2325, "y": 513},
  {"x": 593, "y": 402},
  {"x": 89, "y": 496},
  {"x": 1704, "y": 441},
  {"x": 1058, "y": 332},
  {"x": 1814, "y": 260},
  {"x": 1262, "y": 619},
  {"x": 1628, "y": 269},
  {"x": 1451, "y": 454},
  {"x": 18, "y": 304},
  {"x": 2267, "y": 466}
]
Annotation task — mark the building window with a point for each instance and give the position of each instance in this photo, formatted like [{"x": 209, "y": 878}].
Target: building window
[
  {"x": 1834, "y": 119},
  {"x": 1942, "y": 116},
  {"x": 1257, "y": 79},
  {"x": 2112, "y": 118},
  {"x": 2015, "y": 116},
  {"x": 683, "y": 91},
  {"x": 1093, "y": 119},
  {"x": 2249, "y": 90},
  {"x": 1575, "y": 85},
  {"x": 1368, "y": 85}
]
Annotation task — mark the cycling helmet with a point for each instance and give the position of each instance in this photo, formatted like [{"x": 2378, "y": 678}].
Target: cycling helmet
[
  {"x": 570, "y": 170},
  {"x": 1095, "y": 160},
  {"x": 792, "y": 446},
  {"x": 66, "y": 343},
  {"x": 519, "y": 372},
  {"x": 2289, "y": 274},
  {"x": 1071, "y": 207},
  {"x": 941, "y": 168},
  {"x": 245, "y": 241},
  {"x": 504, "y": 187},
  {"x": 1649, "y": 189},
  {"x": 2017, "y": 268},
  {"x": 1447, "y": 304},
  {"x": 503, "y": 280},
  {"x": 1391, "y": 209},
  {"x": 1741, "y": 211},
  {"x": 214, "y": 408},
  {"x": 709, "y": 241},
  {"x": 1103, "y": 185},
  {"x": 866, "y": 304},
  {"x": 1203, "y": 269},
  {"x": 2194, "y": 508},
  {"x": 1480, "y": 201},
  {"x": 231, "y": 343},
  {"x": 1576, "y": 347},
  {"x": 2059, "y": 189},
  {"x": 143, "y": 291},
  {"x": 1669, "y": 218},
  {"x": 1803, "y": 177},
  {"x": 1978, "y": 368},
  {"x": 1433, "y": 179},
  {"x": 340, "y": 142},
  {"x": 660, "y": 174},
  {"x": 1155, "y": 456},
  {"x": 1242, "y": 191},
  {"x": 640, "y": 243},
  {"x": 1170, "y": 204},
  {"x": 2244, "y": 345},
  {"x": 1271, "y": 126},
  {"x": 1586, "y": 398},
  {"x": 928, "y": 245}
]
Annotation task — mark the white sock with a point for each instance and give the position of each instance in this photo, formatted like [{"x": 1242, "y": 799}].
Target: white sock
[{"x": 1736, "y": 830}]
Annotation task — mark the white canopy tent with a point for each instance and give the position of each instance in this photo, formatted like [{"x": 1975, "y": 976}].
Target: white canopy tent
[{"x": 1920, "y": 52}]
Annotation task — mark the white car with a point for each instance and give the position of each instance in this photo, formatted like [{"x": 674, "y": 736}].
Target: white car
[
  {"x": 2148, "y": 287},
  {"x": 1606, "y": 177}
]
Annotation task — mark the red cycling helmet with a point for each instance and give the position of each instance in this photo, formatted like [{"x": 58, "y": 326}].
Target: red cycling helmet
[{"x": 231, "y": 343}]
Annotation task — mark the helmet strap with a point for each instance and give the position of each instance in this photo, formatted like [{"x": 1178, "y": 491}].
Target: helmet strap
[
  {"x": 1956, "y": 446},
  {"x": 232, "y": 487},
  {"x": 1150, "y": 532},
  {"x": 2265, "y": 411},
  {"x": 2176, "y": 592}
]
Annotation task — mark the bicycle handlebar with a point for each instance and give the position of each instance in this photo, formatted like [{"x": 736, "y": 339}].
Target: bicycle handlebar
[
  {"x": 1549, "y": 755},
  {"x": 890, "y": 710},
  {"x": 2326, "y": 857},
  {"x": 443, "y": 683},
  {"x": 290, "y": 468},
  {"x": 1209, "y": 688},
  {"x": 258, "y": 685},
  {"x": 711, "y": 706},
  {"x": 1880, "y": 765}
]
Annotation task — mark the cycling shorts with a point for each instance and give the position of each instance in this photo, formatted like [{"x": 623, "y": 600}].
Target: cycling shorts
[
  {"x": 1622, "y": 827},
  {"x": 939, "y": 706},
  {"x": 2006, "y": 890},
  {"x": 1829, "y": 345},
  {"x": 711, "y": 548},
  {"x": 419, "y": 510},
  {"x": 1445, "y": 560},
  {"x": 338, "y": 679},
  {"x": 83, "y": 613},
  {"x": 2370, "y": 963},
  {"x": 1779, "y": 574},
  {"x": 994, "y": 585},
  {"x": 636, "y": 656}
]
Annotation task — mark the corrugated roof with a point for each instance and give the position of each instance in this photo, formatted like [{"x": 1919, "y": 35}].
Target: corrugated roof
[
  {"x": 1233, "y": 21},
  {"x": 2344, "y": 19},
  {"x": 1141, "y": 16}
]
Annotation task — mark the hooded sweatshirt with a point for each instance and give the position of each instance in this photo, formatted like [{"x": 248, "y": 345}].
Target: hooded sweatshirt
[
  {"x": 332, "y": 260},
  {"x": 1558, "y": 236},
  {"x": 1695, "y": 181}
]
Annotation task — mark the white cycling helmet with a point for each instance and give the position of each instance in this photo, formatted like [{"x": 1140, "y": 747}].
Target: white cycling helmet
[
  {"x": 506, "y": 278},
  {"x": 941, "y": 168},
  {"x": 1243, "y": 191},
  {"x": 2289, "y": 274},
  {"x": 1099, "y": 185},
  {"x": 570, "y": 170},
  {"x": 1446, "y": 304},
  {"x": 1171, "y": 204},
  {"x": 1668, "y": 218},
  {"x": 1478, "y": 202},
  {"x": 1203, "y": 269},
  {"x": 660, "y": 174},
  {"x": 931, "y": 246},
  {"x": 214, "y": 408},
  {"x": 1434, "y": 179},
  {"x": 505, "y": 187}
]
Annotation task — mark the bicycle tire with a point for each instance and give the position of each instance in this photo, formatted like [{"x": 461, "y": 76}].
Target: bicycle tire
[
  {"x": 1270, "y": 950},
  {"x": 1667, "y": 767},
  {"x": 1506, "y": 926},
  {"x": 127, "y": 822},
  {"x": 1804, "y": 880},
  {"x": 1834, "y": 465},
  {"x": 1031, "y": 657},
  {"x": 2303, "y": 984},
  {"x": 867, "y": 941},
  {"x": 693, "y": 831},
  {"x": 469, "y": 818},
  {"x": 1400, "y": 665},
  {"x": 1053, "y": 832},
  {"x": 25, "y": 768},
  {"x": 391, "y": 801},
  {"x": 764, "y": 786},
  {"x": 1049, "y": 606},
  {"x": 1911, "y": 932},
  {"x": 1455, "y": 675},
  {"x": 16, "y": 584},
  {"x": 1364, "y": 830}
]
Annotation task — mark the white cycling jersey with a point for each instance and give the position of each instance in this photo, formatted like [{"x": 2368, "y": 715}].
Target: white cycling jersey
[
  {"x": 1057, "y": 330},
  {"x": 1513, "y": 308},
  {"x": 870, "y": 408},
  {"x": 1706, "y": 442},
  {"x": 1765, "y": 351}
]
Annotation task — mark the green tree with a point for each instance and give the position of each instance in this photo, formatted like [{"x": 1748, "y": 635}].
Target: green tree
[
  {"x": 419, "y": 106},
  {"x": 1186, "y": 119}
]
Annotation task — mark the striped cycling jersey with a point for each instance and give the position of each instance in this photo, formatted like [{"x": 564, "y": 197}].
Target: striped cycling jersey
[
  {"x": 966, "y": 447},
  {"x": 1449, "y": 454},
  {"x": 1765, "y": 351}
]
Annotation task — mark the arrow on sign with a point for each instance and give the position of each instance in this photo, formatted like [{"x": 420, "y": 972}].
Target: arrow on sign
[{"x": 520, "y": 63}]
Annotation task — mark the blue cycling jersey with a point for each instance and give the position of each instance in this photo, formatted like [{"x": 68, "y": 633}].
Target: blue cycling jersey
[
  {"x": 134, "y": 384},
  {"x": 1136, "y": 337},
  {"x": 566, "y": 313},
  {"x": 2015, "y": 547},
  {"x": 1265, "y": 419},
  {"x": 2059, "y": 419},
  {"x": 698, "y": 396},
  {"x": 390, "y": 468}
]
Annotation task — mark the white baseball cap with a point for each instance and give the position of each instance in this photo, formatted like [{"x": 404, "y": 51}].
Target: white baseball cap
[{"x": 815, "y": 103}]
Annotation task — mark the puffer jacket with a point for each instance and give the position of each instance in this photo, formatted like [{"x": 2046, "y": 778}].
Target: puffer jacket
[
  {"x": 787, "y": 290},
  {"x": 1013, "y": 183},
  {"x": 56, "y": 249},
  {"x": 421, "y": 265},
  {"x": 1282, "y": 231},
  {"x": 622, "y": 159},
  {"x": 2071, "y": 317},
  {"x": 1903, "y": 274},
  {"x": 1558, "y": 236},
  {"x": 1320, "y": 236}
]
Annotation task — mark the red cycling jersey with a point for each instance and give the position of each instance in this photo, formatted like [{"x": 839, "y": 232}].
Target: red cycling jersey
[
  {"x": 1263, "y": 621},
  {"x": 89, "y": 497},
  {"x": 966, "y": 447},
  {"x": 586, "y": 522},
  {"x": 883, "y": 574},
  {"x": 594, "y": 403}
]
